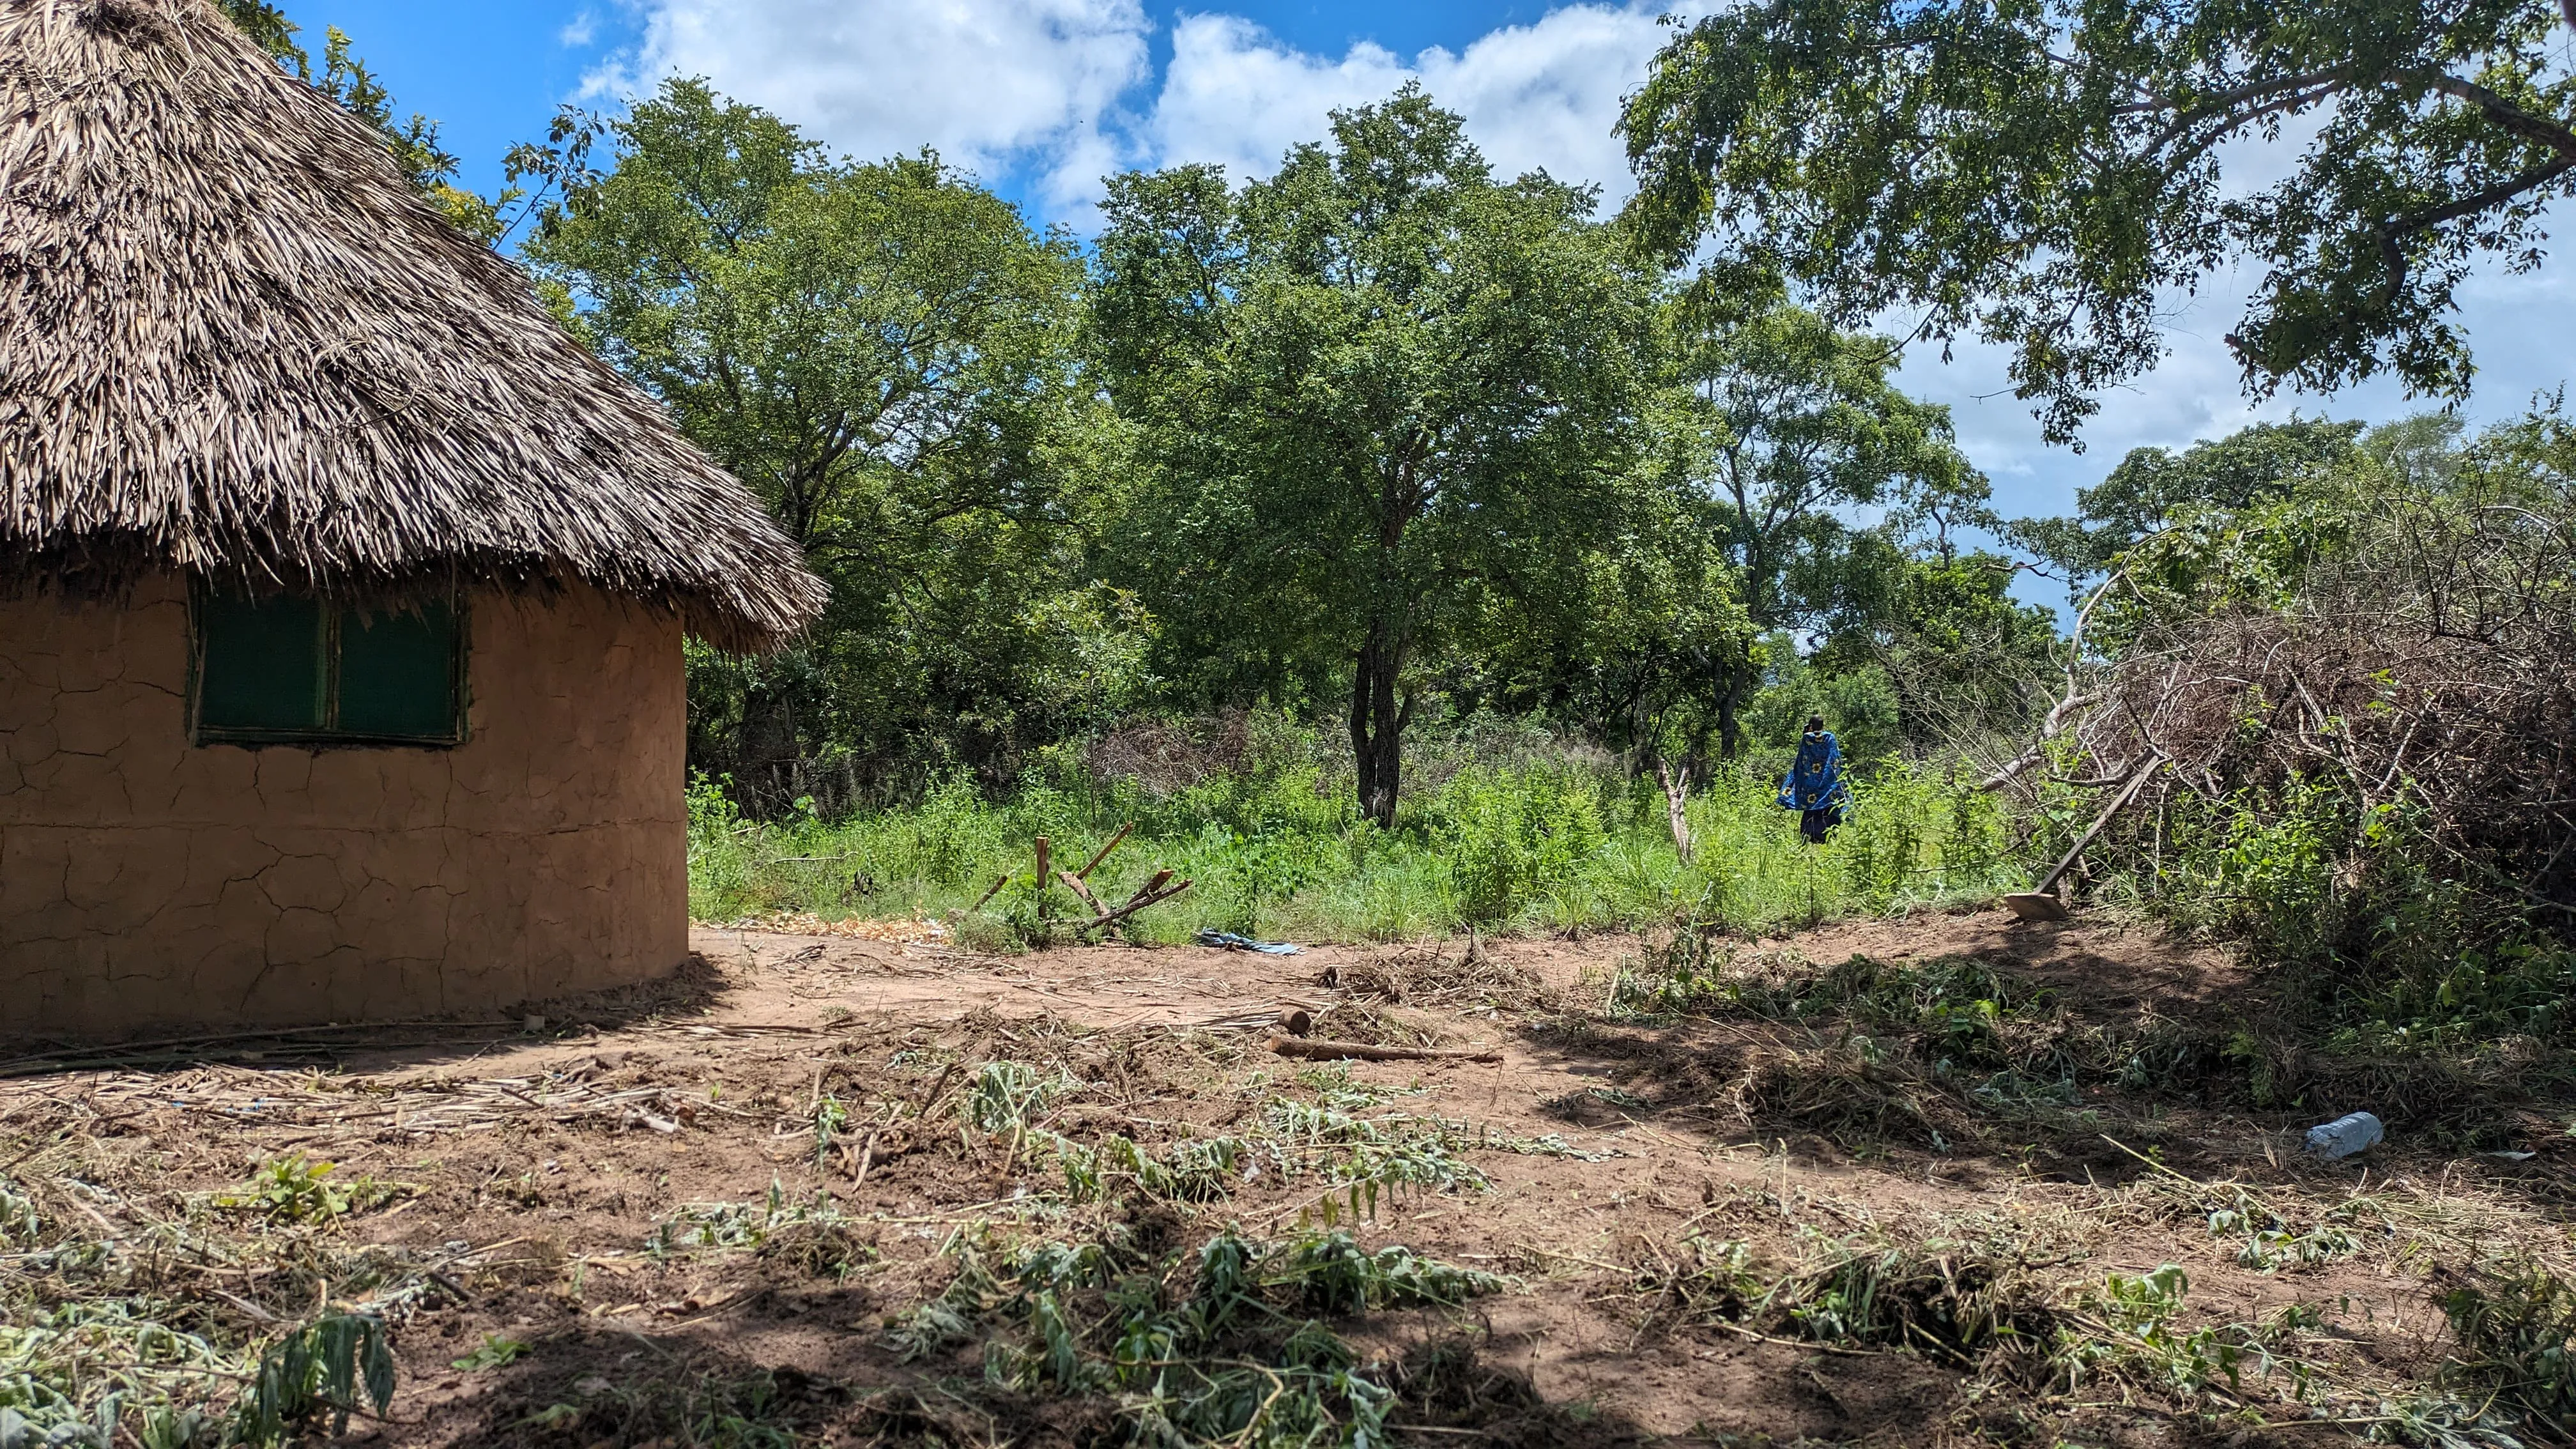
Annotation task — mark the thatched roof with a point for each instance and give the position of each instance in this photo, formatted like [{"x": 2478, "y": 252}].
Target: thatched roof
[{"x": 234, "y": 342}]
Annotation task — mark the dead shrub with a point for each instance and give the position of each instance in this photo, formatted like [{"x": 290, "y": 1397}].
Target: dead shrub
[
  {"x": 1472, "y": 978},
  {"x": 1165, "y": 757},
  {"x": 1840, "y": 1093}
]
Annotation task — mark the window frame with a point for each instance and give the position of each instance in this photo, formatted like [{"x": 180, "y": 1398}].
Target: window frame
[{"x": 329, "y": 735}]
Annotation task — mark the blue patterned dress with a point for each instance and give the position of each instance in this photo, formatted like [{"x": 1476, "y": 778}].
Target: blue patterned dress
[{"x": 1814, "y": 785}]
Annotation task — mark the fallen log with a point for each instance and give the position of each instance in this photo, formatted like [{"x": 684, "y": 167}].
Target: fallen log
[{"x": 1323, "y": 1050}]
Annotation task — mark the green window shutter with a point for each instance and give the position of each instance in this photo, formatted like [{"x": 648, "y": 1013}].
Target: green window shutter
[
  {"x": 398, "y": 673},
  {"x": 262, "y": 665}
]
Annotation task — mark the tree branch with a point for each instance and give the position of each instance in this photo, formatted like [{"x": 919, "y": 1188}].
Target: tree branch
[{"x": 2542, "y": 130}]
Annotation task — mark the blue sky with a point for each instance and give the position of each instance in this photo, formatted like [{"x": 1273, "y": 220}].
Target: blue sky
[{"x": 1043, "y": 96}]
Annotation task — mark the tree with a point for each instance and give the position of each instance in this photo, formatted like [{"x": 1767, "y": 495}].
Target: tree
[
  {"x": 1798, "y": 430},
  {"x": 1937, "y": 628},
  {"x": 1377, "y": 392},
  {"x": 884, "y": 353},
  {"x": 2047, "y": 175},
  {"x": 2152, "y": 487},
  {"x": 1658, "y": 663}
]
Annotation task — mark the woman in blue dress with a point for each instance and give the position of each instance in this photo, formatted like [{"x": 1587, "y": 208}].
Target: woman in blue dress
[{"x": 1814, "y": 786}]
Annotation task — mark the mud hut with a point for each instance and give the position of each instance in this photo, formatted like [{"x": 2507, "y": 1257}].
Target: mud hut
[{"x": 342, "y": 593}]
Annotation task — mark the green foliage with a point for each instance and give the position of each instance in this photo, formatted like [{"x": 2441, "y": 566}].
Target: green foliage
[
  {"x": 1226, "y": 1345},
  {"x": 1775, "y": 434},
  {"x": 755, "y": 1410},
  {"x": 1509, "y": 842},
  {"x": 2513, "y": 1329},
  {"x": 1558, "y": 846},
  {"x": 316, "y": 1376},
  {"x": 721, "y": 1226},
  {"x": 1381, "y": 428},
  {"x": 2142, "y": 1339},
  {"x": 1959, "y": 1296},
  {"x": 2039, "y": 176},
  {"x": 1377, "y": 395},
  {"x": 2154, "y": 488},
  {"x": 1006, "y": 1094},
  {"x": 73, "y": 1370},
  {"x": 884, "y": 352},
  {"x": 2393, "y": 949},
  {"x": 1803, "y": 425},
  {"x": 2267, "y": 1240},
  {"x": 296, "y": 1189},
  {"x": 2380, "y": 630},
  {"x": 493, "y": 1352}
]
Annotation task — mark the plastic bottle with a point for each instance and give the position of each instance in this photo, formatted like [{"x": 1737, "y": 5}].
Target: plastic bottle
[{"x": 2345, "y": 1135}]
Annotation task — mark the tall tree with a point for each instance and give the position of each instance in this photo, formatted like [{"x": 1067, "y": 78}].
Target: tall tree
[
  {"x": 2044, "y": 173},
  {"x": 885, "y": 353},
  {"x": 1378, "y": 391},
  {"x": 1659, "y": 660},
  {"x": 1800, "y": 432}
]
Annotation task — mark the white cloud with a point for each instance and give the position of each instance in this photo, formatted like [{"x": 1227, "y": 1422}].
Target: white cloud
[
  {"x": 1239, "y": 98},
  {"x": 1033, "y": 88},
  {"x": 581, "y": 30},
  {"x": 993, "y": 85},
  {"x": 1543, "y": 95}
]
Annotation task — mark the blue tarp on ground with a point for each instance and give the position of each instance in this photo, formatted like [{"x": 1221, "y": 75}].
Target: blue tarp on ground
[{"x": 1232, "y": 942}]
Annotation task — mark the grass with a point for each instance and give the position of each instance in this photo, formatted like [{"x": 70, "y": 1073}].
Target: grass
[{"x": 1278, "y": 850}]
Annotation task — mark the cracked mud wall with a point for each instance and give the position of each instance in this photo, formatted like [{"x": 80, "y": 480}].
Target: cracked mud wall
[{"x": 149, "y": 883}]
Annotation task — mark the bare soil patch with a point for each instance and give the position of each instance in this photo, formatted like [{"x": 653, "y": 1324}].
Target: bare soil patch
[{"x": 1887, "y": 1200}]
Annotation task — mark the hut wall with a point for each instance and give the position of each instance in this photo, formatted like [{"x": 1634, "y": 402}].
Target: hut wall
[{"x": 147, "y": 883}]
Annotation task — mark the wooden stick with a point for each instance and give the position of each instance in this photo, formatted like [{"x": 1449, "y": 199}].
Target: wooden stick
[
  {"x": 1149, "y": 887},
  {"x": 999, "y": 881},
  {"x": 1073, "y": 882},
  {"x": 1132, "y": 907},
  {"x": 1043, "y": 881},
  {"x": 1322, "y": 1050},
  {"x": 2146, "y": 769},
  {"x": 1085, "y": 872}
]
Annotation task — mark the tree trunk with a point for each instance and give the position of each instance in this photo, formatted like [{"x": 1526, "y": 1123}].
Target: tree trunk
[
  {"x": 1676, "y": 785},
  {"x": 1377, "y": 724},
  {"x": 1731, "y": 697}
]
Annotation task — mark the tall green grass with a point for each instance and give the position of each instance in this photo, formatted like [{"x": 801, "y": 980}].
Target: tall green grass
[{"x": 1277, "y": 850}]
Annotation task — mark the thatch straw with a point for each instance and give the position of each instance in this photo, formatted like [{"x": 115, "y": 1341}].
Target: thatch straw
[{"x": 233, "y": 342}]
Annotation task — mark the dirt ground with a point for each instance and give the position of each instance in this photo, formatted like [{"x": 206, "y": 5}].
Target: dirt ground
[{"x": 573, "y": 1187}]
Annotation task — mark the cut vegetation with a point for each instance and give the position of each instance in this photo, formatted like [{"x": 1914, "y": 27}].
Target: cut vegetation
[{"x": 1947, "y": 1176}]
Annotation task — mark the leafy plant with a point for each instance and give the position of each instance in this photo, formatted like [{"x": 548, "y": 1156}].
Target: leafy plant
[
  {"x": 297, "y": 1189},
  {"x": 1223, "y": 1346},
  {"x": 2136, "y": 1337},
  {"x": 2513, "y": 1329},
  {"x": 493, "y": 1352},
  {"x": 317, "y": 1375}
]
